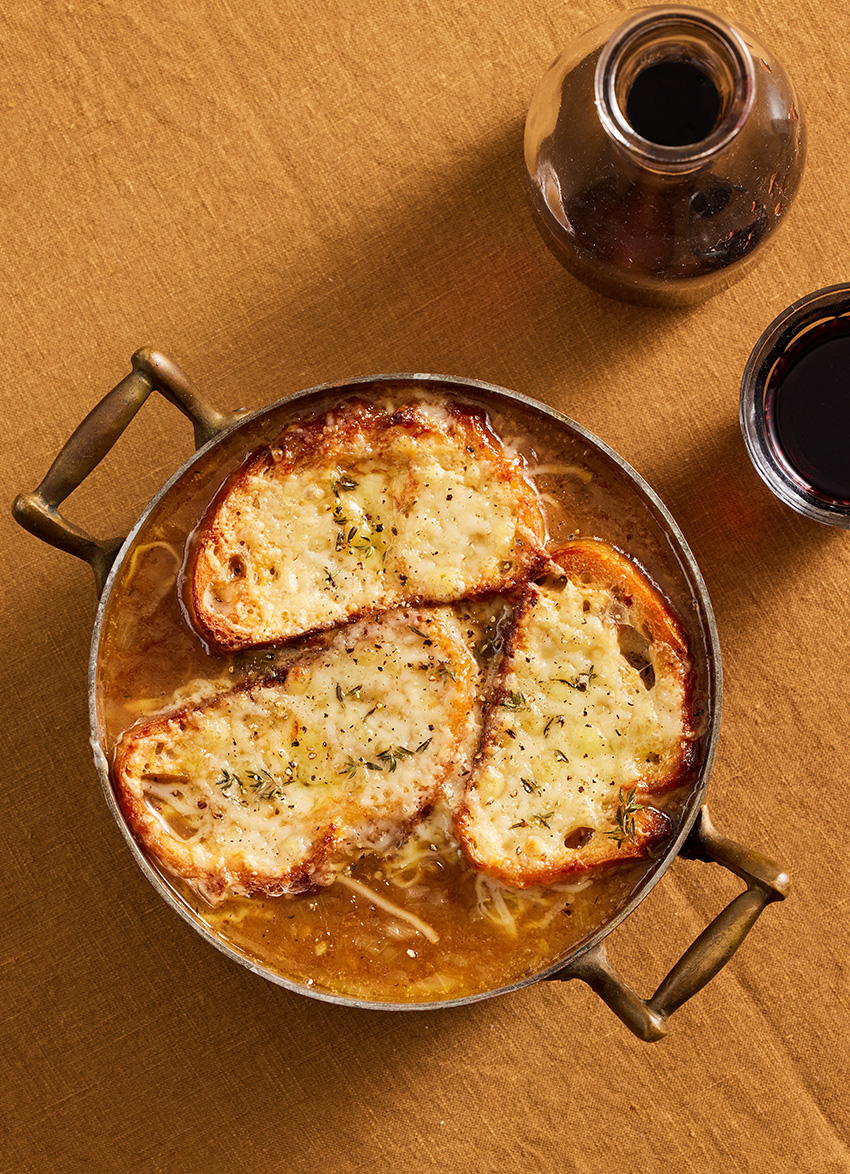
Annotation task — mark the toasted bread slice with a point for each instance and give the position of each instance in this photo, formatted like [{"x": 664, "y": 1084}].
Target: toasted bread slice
[
  {"x": 360, "y": 510},
  {"x": 273, "y": 786},
  {"x": 591, "y": 717}
]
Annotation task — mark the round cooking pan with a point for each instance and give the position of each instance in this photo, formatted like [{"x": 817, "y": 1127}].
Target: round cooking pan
[{"x": 640, "y": 524}]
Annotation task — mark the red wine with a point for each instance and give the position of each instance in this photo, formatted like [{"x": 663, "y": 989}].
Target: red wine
[
  {"x": 807, "y": 401},
  {"x": 673, "y": 104}
]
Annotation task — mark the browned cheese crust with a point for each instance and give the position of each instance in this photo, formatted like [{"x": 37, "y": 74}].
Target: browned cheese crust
[
  {"x": 359, "y": 510},
  {"x": 590, "y": 718},
  {"x": 275, "y": 785}
]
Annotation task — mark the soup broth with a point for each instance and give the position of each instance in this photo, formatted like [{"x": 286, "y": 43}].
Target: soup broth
[{"x": 416, "y": 924}]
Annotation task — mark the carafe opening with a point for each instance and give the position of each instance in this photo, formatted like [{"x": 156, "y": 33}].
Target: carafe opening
[{"x": 674, "y": 86}]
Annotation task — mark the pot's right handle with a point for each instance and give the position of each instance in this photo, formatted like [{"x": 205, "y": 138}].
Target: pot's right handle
[
  {"x": 38, "y": 511},
  {"x": 647, "y": 1018}
]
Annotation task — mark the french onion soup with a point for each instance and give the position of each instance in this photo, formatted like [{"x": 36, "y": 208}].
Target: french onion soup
[{"x": 399, "y": 695}]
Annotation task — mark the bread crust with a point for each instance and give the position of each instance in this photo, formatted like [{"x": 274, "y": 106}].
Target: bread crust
[
  {"x": 273, "y": 786},
  {"x": 359, "y": 510},
  {"x": 563, "y": 749}
]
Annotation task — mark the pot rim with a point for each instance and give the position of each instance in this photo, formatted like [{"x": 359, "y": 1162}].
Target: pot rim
[{"x": 708, "y": 626}]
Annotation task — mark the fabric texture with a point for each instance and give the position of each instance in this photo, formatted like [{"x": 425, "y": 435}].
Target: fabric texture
[{"x": 279, "y": 195}]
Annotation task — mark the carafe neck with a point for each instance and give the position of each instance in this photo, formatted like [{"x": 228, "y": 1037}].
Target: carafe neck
[{"x": 673, "y": 88}]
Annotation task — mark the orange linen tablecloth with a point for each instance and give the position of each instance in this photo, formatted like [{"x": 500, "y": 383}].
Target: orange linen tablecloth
[{"x": 279, "y": 194}]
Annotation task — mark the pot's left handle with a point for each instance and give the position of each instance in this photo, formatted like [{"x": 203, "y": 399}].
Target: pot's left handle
[{"x": 38, "y": 511}]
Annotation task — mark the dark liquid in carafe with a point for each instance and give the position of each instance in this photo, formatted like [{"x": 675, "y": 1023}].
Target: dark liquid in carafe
[
  {"x": 808, "y": 410},
  {"x": 673, "y": 104}
]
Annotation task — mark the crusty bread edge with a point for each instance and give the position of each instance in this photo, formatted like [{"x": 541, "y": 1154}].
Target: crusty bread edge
[
  {"x": 652, "y": 826},
  {"x": 307, "y": 875},
  {"x": 302, "y": 440}
]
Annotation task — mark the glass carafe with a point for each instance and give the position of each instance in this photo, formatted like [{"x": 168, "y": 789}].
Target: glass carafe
[{"x": 663, "y": 149}]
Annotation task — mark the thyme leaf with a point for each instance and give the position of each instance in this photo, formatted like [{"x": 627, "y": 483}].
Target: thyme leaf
[
  {"x": 514, "y": 702},
  {"x": 490, "y": 647},
  {"x": 343, "y": 483},
  {"x": 364, "y": 544}
]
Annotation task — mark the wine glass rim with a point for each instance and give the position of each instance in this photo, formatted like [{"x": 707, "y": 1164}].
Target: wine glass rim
[{"x": 831, "y": 302}]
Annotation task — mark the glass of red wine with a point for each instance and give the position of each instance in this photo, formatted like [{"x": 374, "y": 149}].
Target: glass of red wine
[{"x": 795, "y": 406}]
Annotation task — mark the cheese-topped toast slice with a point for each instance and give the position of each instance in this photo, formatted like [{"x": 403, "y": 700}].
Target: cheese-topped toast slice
[
  {"x": 359, "y": 510},
  {"x": 273, "y": 786},
  {"x": 591, "y": 716}
]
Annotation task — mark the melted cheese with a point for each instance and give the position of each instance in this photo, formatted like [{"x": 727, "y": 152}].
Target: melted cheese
[
  {"x": 273, "y": 786},
  {"x": 360, "y": 511},
  {"x": 578, "y": 717}
]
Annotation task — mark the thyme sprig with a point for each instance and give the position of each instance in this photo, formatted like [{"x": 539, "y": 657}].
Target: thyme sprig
[
  {"x": 542, "y": 818},
  {"x": 393, "y": 755},
  {"x": 514, "y": 701},
  {"x": 627, "y": 809},
  {"x": 580, "y": 681},
  {"x": 387, "y": 759},
  {"x": 228, "y": 779},
  {"x": 493, "y": 640},
  {"x": 263, "y": 786}
]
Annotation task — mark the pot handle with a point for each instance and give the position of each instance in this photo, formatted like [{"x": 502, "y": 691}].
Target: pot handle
[
  {"x": 647, "y": 1018},
  {"x": 38, "y": 511}
]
